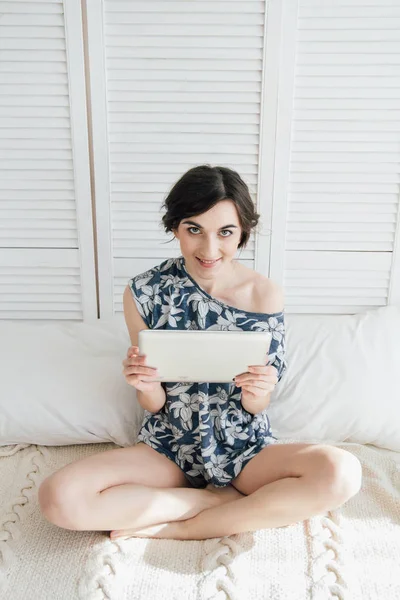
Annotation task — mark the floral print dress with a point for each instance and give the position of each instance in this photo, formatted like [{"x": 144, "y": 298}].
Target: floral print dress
[{"x": 203, "y": 427}]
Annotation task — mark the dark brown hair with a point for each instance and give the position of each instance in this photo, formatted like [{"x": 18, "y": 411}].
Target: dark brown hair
[{"x": 201, "y": 188}]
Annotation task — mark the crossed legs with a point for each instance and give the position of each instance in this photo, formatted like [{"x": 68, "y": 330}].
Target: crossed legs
[{"x": 136, "y": 491}]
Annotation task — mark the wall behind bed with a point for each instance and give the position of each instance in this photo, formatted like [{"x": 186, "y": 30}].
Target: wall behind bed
[
  {"x": 46, "y": 233},
  {"x": 104, "y": 104}
]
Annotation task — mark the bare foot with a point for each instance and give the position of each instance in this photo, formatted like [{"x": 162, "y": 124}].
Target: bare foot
[{"x": 176, "y": 530}]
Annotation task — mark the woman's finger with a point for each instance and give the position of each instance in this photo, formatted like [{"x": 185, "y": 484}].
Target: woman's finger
[
  {"x": 256, "y": 391},
  {"x": 136, "y": 360},
  {"x": 266, "y": 369},
  {"x": 253, "y": 377},
  {"x": 141, "y": 384},
  {"x": 141, "y": 371},
  {"x": 263, "y": 385},
  {"x": 133, "y": 380},
  {"x": 137, "y": 377}
]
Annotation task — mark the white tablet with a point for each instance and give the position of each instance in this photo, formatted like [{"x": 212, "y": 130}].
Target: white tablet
[{"x": 208, "y": 356}]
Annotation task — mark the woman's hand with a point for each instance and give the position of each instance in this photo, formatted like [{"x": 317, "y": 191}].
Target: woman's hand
[
  {"x": 257, "y": 382},
  {"x": 137, "y": 373}
]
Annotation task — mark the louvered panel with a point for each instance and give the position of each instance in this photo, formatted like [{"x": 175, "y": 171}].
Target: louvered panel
[
  {"x": 344, "y": 173},
  {"x": 128, "y": 157},
  {"x": 40, "y": 284},
  {"x": 330, "y": 282},
  {"x": 30, "y": 8},
  {"x": 142, "y": 181},
  {"x": 43, "y": 168},
  {"x": 222, "y": 81},
  {"x": 27, "y": 36},
  {"x": 209, "y": 7},
  {"x": 183, "y": 82},
  {"x": 35, "y": 144},
  {"x": 344, "y": 227},
  {"x": 344, "y": 116},
  {"x": 209, "y": 120},
  {"x": 124, "y": 58},
  {"x": 123, "y": 272}
]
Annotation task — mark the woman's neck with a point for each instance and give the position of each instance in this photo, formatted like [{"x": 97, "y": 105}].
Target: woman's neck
[{"x": 223, "y": 280}]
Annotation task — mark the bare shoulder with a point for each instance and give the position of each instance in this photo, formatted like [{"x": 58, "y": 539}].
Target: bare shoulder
[
  {"x": 262, "y": 293},
  {"x": 268, "y": 295}
]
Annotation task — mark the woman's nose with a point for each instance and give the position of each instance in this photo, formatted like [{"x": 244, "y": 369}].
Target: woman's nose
[{"x": 210, "y": 249}]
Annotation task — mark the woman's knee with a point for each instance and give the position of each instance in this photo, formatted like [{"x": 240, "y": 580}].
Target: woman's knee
[
  {"x": 340, "y": 473},
  {"x": 60, "y": 501}
]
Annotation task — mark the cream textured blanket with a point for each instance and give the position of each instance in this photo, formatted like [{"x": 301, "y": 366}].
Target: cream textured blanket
[{"x": 352, "y": 553}]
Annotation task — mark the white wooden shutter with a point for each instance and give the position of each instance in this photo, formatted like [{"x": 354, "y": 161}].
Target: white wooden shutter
[
  {"x": 173, "y": 85},
  {"x": 336, "y": 197},
  {"x": 46, "y": 233}
]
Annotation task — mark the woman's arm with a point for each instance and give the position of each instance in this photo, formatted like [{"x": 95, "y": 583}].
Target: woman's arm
[
  {"x": 256, "y": 405},
  {"x": 259, "y": 384},
  {"x": 154, "y": 401}
]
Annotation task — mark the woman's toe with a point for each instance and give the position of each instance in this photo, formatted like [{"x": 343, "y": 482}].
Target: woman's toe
[{"x": 117, "y": 533}]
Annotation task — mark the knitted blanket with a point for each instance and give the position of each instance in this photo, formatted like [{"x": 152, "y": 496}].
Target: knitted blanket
[{"x": 352, "y": 553}]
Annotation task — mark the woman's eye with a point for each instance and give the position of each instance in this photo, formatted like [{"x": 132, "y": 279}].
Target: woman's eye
[{"x": 228, "y": 231}]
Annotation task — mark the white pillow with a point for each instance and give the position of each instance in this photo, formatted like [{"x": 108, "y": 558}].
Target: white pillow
[
  {"x": 342, "y": 383},
  {"x": 62, "y": 382}
]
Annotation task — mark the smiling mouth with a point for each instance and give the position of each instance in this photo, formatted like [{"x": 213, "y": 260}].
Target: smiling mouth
[{"x": 207, "y": 262}]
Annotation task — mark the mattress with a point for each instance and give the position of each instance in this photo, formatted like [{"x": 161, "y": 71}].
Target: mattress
[{"x": 352, "y": 553}]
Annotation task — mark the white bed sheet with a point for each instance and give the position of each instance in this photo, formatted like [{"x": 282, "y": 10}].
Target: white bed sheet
[{"x": 352, "y": 552}]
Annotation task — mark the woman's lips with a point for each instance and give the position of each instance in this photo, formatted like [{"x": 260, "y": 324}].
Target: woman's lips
[{"x": 208, "y": 265}]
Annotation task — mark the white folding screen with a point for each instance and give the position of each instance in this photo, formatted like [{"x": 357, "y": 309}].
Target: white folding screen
[
  {"x": 173, "y": 85},
  {"x": 300, "y": 96},
  {"x": 336, "y": 225},
  {"x": 46, "y": 231}
]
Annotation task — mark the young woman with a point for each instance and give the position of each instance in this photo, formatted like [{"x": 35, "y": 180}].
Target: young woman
[{"x": 206, "y": 463}]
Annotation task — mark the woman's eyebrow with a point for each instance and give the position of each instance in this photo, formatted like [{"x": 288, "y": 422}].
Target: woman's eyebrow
[{"x": 200, "y": 227}]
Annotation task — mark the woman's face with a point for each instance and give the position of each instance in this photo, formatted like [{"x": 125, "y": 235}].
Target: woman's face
[{"x": 212, "y": 236}]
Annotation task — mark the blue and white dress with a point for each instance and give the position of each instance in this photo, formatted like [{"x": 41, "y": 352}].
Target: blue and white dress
[{"x": 203, "y": 427}]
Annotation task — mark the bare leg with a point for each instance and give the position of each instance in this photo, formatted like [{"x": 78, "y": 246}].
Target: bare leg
[
  {"x": 327, "y": 478},
  {"x": 277, "y": 504},
  {"x": 123, "y": 488},
  {"x": 182, "y": 504},
  {"x": 212, "y": 497},
  {"x": 283, "y": 502},
  {"x": 133, "y": 506}
]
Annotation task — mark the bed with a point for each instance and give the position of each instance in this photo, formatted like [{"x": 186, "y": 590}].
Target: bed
[{"x": 352, "y": 553}]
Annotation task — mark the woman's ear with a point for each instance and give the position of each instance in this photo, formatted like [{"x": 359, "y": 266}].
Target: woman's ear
[{"x": 175, "y": 232}]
